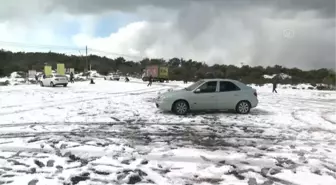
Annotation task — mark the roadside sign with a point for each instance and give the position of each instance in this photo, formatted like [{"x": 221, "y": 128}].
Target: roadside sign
[
  {"x": 61, "y": 69},
  {"x": 47, "y": 70}
]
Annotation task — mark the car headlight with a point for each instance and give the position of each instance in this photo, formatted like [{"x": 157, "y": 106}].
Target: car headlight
[{"x": 160, "y": 98}]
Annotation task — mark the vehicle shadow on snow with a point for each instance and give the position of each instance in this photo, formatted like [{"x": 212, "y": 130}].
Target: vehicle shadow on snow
[{"x": 255, "y": 111}]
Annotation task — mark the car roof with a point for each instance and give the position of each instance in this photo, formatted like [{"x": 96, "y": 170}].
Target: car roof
[{"x": 219, "y": 79}]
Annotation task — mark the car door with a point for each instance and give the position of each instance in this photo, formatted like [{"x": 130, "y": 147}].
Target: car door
[
  {"x": 228, "y": 95},
  {"x": 47, "y": 80},
  {"x": 204, "y": 97}
]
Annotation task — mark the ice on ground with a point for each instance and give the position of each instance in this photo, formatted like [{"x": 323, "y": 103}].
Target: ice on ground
[{"x": 112, "y": 133}]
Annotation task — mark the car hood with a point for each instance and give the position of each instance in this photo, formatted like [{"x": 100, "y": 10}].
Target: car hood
[{"x": 173, "y": 93}]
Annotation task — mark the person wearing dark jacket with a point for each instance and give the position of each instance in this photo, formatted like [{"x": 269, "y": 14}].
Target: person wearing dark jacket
[
  {"x": 150, "y": 81},
  {"x": 91, "y": 81},
  {"x": 274, "y": 87},
  {"x": 71, "y": 77}
]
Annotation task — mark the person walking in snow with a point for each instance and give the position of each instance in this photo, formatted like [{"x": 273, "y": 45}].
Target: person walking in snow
[
  {"x": 71, "y": 77},
  {"x": 150, "y": 81},
  {"x": 274, "y": 87},
  {"x": 36, "y": 78}
]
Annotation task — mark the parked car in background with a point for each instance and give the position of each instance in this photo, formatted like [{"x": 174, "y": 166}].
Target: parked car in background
[
  {"x": 115, "y": 77},
  {"x": 54, "y": 80},
  {"x": 112, "y": 76},
  {"x": 210, "y": 94}
]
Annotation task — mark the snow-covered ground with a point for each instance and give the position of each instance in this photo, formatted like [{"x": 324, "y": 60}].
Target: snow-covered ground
[{"x": 112, "y": 133}]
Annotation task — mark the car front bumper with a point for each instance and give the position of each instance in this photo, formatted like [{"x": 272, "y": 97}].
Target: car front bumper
[{"x": 163, "y": 105}]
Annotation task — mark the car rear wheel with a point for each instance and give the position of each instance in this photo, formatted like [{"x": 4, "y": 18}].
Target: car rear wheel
[
  {"x": 41, "y": 83},
  {"x": 52, "y": 84},
  {"x": 180, "y": 107},
  {"x": 65, "y": 85},
  {"x": 243, "y": 107}
]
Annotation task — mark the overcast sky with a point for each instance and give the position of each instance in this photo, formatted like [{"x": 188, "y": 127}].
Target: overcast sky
[{"x": 293, "y": 33}]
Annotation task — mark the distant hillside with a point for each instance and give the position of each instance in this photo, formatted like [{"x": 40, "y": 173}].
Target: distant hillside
[{"x": 180, "y": 69}]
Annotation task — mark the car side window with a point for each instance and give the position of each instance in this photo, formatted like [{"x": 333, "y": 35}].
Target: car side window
[
  {"x": 208, "y": 87},
  {"x": 227, "y": 86}
]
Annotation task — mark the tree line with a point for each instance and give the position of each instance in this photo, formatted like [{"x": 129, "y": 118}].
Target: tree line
[{"x": 179, "y": 69}]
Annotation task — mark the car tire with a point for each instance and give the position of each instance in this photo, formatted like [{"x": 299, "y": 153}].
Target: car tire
[
  {"x": 104, "y": 78},
  {"x": 41, "y": 84},
  {"x": 180, "y": 107},
  {"x": 65, "y": 85},
  {"x": 243, "y": 107},
  {"x": 52, "y": 84}
]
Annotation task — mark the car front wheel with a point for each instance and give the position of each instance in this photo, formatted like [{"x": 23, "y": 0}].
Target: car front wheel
[
  {"x": 243, "y": 107},
  {"x": 41, "y": 83},
  {"x": 180, "y": 107}
]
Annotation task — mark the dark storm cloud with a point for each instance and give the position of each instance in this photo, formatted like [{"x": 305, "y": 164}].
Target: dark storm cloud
[
  {"x": 221, "y": 31},
  {"x": 324, "y": 7},
  {"x": 206, "y": 26}
]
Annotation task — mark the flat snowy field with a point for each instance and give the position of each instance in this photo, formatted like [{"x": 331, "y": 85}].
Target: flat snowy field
[{"x": 112, "y": 133}]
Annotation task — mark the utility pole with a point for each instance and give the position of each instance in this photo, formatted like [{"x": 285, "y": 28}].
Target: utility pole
[{"x": 86, "y": 58}]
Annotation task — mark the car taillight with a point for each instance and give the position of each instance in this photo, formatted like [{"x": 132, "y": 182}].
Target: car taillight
[{"x": 255, "y": 94}]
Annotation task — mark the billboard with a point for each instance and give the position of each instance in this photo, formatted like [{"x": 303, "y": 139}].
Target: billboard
[
  {"x": 47, "y": 70},
  {"x": 61, "y": 69}
]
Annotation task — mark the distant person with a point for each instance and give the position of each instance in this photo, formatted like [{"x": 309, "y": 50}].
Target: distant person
[
  {"x": 274, "y": 87},
  {"x": 150, "y": 81},
  {"x": 91, "y": 81},
  {"x": 71, "y": 77}
]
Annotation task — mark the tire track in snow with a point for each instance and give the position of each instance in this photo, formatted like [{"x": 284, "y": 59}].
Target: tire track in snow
[
  {"x": 73, "y": 99},
  {"x": 294, "y": 114},
  {"x": 130, "y": 131},
  {"x": 52, "y": 104},
  {"x": 125, "y": 123},
  {"x": 324, "y": 117}
]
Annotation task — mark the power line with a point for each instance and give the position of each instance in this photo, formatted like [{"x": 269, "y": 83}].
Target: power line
[
  {"x": 76, "y": 49},
  {"x": 117, "y": 54},
  {"x": 45, "y": 46},
  {"x": 40, "y": 46}
]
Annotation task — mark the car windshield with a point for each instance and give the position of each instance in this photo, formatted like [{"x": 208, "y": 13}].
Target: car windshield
[{"x": 194, "y": 85}]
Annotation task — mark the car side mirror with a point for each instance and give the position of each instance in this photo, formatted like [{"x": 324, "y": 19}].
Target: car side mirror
[{"x": 197, "y": 91}]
